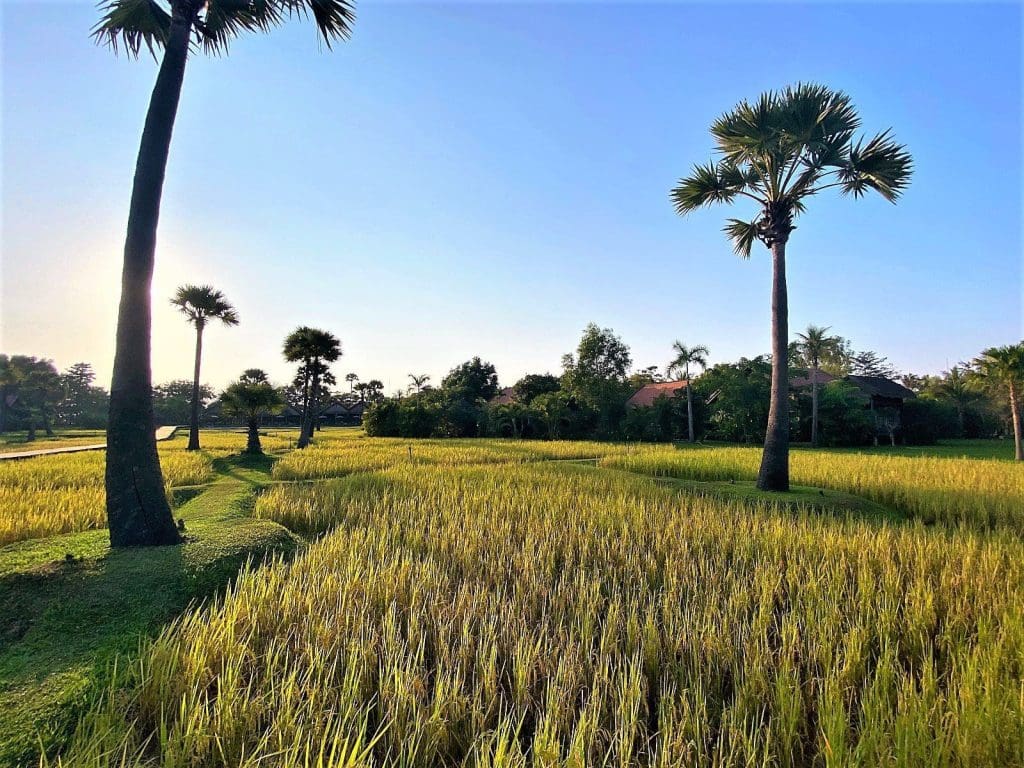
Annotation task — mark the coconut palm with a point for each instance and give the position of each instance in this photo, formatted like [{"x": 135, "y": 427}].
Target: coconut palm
[
  {"x": 778, "y": 151},
  {"x": 250, "y": 399},
  {"x": 200, "y": 304},
  {"x": 1004, "y": 367},
  {"x": 955, "y": 386},
  {"x": 418, "y": 382},
  {"x": 137, "y": 510},
  {"x": 685, "y": 357},
  {"x": 816, "y": 346},
  {"x": 314, "y": 348}
]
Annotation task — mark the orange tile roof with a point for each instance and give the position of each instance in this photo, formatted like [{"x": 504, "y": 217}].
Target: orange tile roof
[{"x": 646, "y": 396}]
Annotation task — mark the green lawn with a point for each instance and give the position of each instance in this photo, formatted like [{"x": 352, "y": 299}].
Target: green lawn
[
  {"x": 948, "y": 449},
  {"x": 15, "y": 442}
]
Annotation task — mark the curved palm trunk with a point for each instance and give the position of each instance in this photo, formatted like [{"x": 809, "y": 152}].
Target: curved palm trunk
[
  {"x": 137, "y": 510},
  {"x": 1018, "y": 428},
  {"x": 774, "y": 473},
  {"x": 253, "y": 442},
  {"x": 193, "y": 424},
  {"x": 814, "y": 406}
]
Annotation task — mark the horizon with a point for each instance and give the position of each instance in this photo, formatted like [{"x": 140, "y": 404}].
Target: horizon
[{"x": 468, "y": 180}]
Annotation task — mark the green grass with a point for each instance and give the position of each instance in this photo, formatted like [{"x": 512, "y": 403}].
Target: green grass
[
  {"x": 946, "y": 449},
  {"x": 69, "y": 604},
  {"x": 15, "y": 442}
]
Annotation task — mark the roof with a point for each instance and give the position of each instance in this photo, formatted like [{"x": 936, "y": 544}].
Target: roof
[
  {"x": 809, "y": 377},
  {"x": 645, "y": 397},
  {"x": 504, "y": 397},
  {"x": 879, "y": 386}
]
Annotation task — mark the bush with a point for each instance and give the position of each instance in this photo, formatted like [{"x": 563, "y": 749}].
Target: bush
[{"x": 926, "y": 421}]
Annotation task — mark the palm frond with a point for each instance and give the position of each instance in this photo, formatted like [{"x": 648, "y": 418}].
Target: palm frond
[
  {"x": 334, "y": 19},
  {"x": 743, "y": 234},
  {"x": 711, "y": 183},
  {"x": 881, "y": 165},
  {"x": 132, "y": 24}
]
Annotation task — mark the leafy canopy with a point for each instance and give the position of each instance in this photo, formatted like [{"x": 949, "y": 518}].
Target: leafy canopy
[
  {"x": 783, "y": 148},
  {"x": 686, "y": 356},
  {"x": 137, "y": 23},
  {"x": 200, "y": 303}
]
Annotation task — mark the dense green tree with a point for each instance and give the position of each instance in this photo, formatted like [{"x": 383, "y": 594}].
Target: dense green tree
[
  {"x": 816, "y": 346},
  {"x": 868, "y": 363},
  {"x": 595, "y": 377},
  {"x": 1003, "y": 367},
  {"x": 137, "y": 509},
  {"x": 472, "y": 380},
  {"x": 737, "y": 399},
  {"x": 533, "y": 385},
  {"x": 200, "y": 304},
  {"x": 250, "y": 400},
  {"x": 84, "y": 404},
  {"x": 314, "y": 348},
  {"x": 683, "y": 358},
  {"x": 39, "y": 391},
  {"x": 779, "y": 151},
  {"x": 172, "y": 401},
  {"x": 954, "y": 387}
]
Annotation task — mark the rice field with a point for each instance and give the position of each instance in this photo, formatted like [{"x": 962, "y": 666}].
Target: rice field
[
  {"x": 50, "y": 495},
  {"x": 977, "y": 493},
  {"x": 532, "y": 614}
]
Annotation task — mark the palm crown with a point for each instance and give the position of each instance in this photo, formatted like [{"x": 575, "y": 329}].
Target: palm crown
[
  {"x": 783, "y": 148},
  {"x": 309, "y": 344},
  {"x": 687, "y": 356},
  {"x": 200, "y": 303},
  {"x": 134, "y": 23},
  {"x": 815, "y": 345},
  {"x": 1003, "y": 364}
]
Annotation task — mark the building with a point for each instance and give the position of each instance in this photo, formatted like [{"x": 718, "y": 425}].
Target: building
[
  {"x": 885, "y": 398},
  {"x": 645, "y": 396}
]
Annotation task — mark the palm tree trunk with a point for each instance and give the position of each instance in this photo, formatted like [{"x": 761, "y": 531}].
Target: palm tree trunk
[
  {"x": 307, "y": 424},
  {"x": 253, "y": 443},
  {"x": 137, "y": 510},
  {"x": 1015, "y": 415},
  {"x": 774, "y": 473},
  {"x": 193, "y": 424},
  {"x": 689, "y": 407},
  {"x": 814, "y": 407},
  {"x": 31, "y": 436}
]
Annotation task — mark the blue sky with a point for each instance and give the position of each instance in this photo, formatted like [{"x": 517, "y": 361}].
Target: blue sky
[{"x": 481, "y": 178}]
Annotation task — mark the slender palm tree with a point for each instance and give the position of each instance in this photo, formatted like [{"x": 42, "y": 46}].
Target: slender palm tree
[
  {"x": 314, "y": 348},
  {"x": 352, "y": 380},
  {"x": 418, "y": 382},
  {"x": 250, "y": 399},
  {"x": 816, "y": 346},
  {"x": 955, "y": 386},
  {"x": 1004, "y": 367},
  {"x": 137, "y": 510},
  {"x": 200, "y": 304},
  {"x": 685, "y": 357},
  {"x": 778, "y": 151}
]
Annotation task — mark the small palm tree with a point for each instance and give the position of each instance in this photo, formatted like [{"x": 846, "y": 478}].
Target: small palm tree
[
  {"x": 1004, "y": 367},
  {"x": 779, "y": 151},
  {"x": 816, "y": 346},
  {"x": 955, "y": 386},
  {"x": 313, "y": 348},
  {"x": 249, "y": 400},
  {"x": 352, "y": 379},
  {"x": 200, "y": 304},
  {"x": 685, "y": 357},
  {"x": 418, "y": 382},
  {"x": 138, "y": 513}
]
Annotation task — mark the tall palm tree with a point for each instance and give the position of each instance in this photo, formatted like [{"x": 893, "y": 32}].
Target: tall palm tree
[
  {"x": 778, "y": 151},
  {"x": 200, "y": 304},
  {"x": 816, "y": 346},
  {"x": 313, "y": 348},
  {"x": 137, "y": 510},
  {"x": 352, "y": 379},
  {"x": 249, "y": 399},
  {"x": 685, "y": 357},
  {"x": 1004, "y": 367},
  {"x": 955, "y": 386},
  {"x": 418, "y": 382}
]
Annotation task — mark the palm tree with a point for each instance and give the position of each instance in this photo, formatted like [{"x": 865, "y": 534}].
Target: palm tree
[
  {"x": 685, "y": 357},
  {"x": 955, "y": 386},
  {"x": 418, "y": 382},
  {"x": 1004, "y": 367},
  {"x": 352, "y": 379},
  {"x": 314, "y": 348},
  {"x": 778, "y": 152},
  {"x": 250, "y": 399},
  {"x": 137, "y": 510},
  {"x": 200, "y": 304},
  {"x": 816, "y": 346}
]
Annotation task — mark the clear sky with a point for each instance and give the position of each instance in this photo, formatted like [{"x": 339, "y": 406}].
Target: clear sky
[{"x": 484, "y": 179}]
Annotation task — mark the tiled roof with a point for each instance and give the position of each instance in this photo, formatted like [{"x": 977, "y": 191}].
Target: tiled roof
[{"x": 646, "y": 396}]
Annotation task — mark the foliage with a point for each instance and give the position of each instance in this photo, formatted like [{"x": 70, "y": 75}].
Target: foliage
[
  {"x": 472, "y": 380},
  {"x": 172, "y": 401},
  {"x": 736, "y": 395},
  {"x": 533, "y": 385}
]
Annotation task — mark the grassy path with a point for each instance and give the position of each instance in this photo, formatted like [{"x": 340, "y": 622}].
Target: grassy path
[{"x": 68, "y": 604}]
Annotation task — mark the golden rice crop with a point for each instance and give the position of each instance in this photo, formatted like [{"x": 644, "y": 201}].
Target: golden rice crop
[
  {"x": 50, "y": 495},
  {"x": 543, "y": 615},
  {"x": 977, "y": 492}
]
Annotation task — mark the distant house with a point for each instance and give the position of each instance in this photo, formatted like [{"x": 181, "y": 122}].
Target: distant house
[
  {"x": 645, "y": 396},
  {"x": 504, "y": 397},
  {"x": 885, "y": 398},
  {"x": 343, "y": 413}
]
